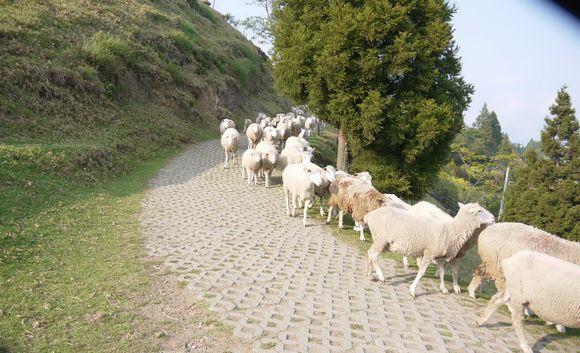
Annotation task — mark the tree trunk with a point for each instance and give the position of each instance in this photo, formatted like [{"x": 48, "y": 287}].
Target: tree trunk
[{"x": 342, "y": 151}]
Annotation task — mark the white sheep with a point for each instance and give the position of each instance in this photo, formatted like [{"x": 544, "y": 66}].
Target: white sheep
[
  {"x": 267, "y": 121},
  {"x": 427, "y": 209},
  {"x": 327, "y": 177},
  {"x": 247, "y": 122},
  {"x": 283, "y": 132},
  {"x": 548, "y": 285},
  {"x": 230, "y": 141},
  {"x": 305, "y": 134},
  {"x": 310, "y": 123},
  {"x": 251, "y": 164},
  {"x": 270, "y": 135},
  {"x": 295, "y": 127},
  {"x": 226, "y": 124},
  {"x": 295, "y": 141},
  {"x": 254, "y": 134},
  {"x": 397, "y": 230},
  {"x": 269, "y": 159},
  {"x": 292, "y": 155},
  {"x": 260, "y": 117},
  {"x": 300, "y": 180},
  {"x": 502, "y": 240}
]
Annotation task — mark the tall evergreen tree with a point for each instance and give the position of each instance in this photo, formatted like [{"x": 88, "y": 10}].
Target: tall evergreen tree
[
  {"x": 489, "y": 131},
  {"x": 386, "y": 73},
  {"x": 545, "y": 192}
]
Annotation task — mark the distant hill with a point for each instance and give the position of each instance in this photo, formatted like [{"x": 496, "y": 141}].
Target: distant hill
[{"x": 87, "y": 86}]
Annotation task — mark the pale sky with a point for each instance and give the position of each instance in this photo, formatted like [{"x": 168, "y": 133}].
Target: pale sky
[{"x": 517, "y": 54}]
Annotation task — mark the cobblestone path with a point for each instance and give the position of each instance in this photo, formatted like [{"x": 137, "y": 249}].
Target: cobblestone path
[{"x": 287, "y": 288}]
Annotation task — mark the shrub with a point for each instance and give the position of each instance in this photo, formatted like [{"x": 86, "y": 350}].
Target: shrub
[
  {"x": 243, "y": 69},
  {"x": 178, "y": 76},
  {"x": 104, "y": 50},
  {"x": 182, "y": 42}
]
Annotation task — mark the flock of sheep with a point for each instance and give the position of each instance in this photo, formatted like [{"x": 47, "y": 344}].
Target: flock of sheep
[{"x": 532, "y": 269}]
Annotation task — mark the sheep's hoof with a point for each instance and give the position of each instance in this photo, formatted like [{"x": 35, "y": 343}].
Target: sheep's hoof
[
  {"x": 340, "y": 227},
  {"x": 561, "y": 328},
  {"x": 322, "y": 214},
  {"x": 326, "y": 222},
  {"x": 478, "y": 323},
  {"x": 471, "y": 294},
  {"x": 457, "y": 289},
  {"x": 444, "y": 290}
]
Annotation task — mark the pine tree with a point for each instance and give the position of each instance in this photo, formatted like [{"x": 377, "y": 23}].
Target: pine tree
[
  {"x": 545, "y": 192},
  {"x": 489, "y": 131},
  {"x": 386, "y": 73}
]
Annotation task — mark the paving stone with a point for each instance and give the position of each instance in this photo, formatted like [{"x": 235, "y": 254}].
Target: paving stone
[{"x": 295, "y": 289}]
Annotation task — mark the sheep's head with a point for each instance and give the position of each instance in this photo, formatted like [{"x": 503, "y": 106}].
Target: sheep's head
[
  {"x": 271, "y": 158},
  {"x": 329, "y": 173},
  {"x": 483, "y": 216},
  {"x": 366, "y": 176},
  {"x": 314, "y": 176},
  {"x": 306, "y": 156}
]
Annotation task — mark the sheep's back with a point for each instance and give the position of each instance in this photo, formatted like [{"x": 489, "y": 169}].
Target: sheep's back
[
  {"x": 502, "y": 240},
  {"x": 548, "y": 284}
]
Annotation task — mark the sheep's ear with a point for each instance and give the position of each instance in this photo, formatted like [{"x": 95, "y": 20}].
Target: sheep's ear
[{"x": 460, "y": 204}]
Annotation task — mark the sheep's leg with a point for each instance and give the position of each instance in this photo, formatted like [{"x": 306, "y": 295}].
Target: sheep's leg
[
  {"x": 306, "y": 203},
  {"x": 405, "y": 262},
  {"x": 476, "y": 279},
  {"x": 362, "y": 231},
  {"x": 497, "y": 300},
  {"x": 287, "y": 199},
  {"x": 321, "y": 209},
  {"x": 441, "y": 270},
  {"x": 340, "y": 217},
  {"x": 267, "y": 174},
  {"x": 330, "y": 210},
  {"x": 255, "y": 176},
  {"x": 244, "y": 171},
  {"x": 299, "y": 202},
  {"x": 425, "y": 261},
  {"x": 454, "y": 269},
  {"x": 226, "y": 163},
  {"x": 293, "y": 204},
  {"x": 518, "y": 323},
  {"x": 372, "y": 258}
]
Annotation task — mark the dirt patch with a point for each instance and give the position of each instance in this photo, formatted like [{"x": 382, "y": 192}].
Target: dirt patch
[{"x": 172, "y": 320}]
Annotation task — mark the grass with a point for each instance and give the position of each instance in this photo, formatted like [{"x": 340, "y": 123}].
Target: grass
[{"x": 71, "y": 259}]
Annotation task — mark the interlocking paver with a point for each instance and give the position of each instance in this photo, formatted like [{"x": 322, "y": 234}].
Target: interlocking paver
[{"x": 295, "y": 289}]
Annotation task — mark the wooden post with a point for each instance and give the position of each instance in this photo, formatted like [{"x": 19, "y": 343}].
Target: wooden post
[{"x": 342, "y": 151}]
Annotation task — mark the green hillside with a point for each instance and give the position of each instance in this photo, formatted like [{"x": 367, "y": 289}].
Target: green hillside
[
  {"x": 100, "y": 83},
  {"x": 95, "y": 96}
]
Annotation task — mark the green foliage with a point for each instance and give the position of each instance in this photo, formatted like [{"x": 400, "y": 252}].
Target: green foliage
[
  {"x": 545, "y": 192},
  {"x": 488, "y": 133},
  {"x": 244, "y": 69},
  {"x": 387, "y": 73},
  {"x": 107, "y": 52}
]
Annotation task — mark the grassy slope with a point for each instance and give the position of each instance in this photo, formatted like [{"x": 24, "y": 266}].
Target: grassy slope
[
  {"x": 101, "y": 83},
  {"x": 94, "y": 96}
]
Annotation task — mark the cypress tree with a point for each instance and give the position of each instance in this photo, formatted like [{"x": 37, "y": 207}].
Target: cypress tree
[
  {"x": 545, "y": 192},
  {"x": 386, "y": 73}
]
